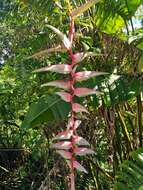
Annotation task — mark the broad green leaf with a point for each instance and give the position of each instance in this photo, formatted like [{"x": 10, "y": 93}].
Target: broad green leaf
[
  {"x": 121, "y": 186},
  {"x": 129, "y": 7},
  {"x": 110, "y": 25},
  {"x": 130, "y": 175},
  {"x": 140, "y": 45},
  {"x": 111, "y": 15},
  {"x": 48, "y": 109},
  {"x": 115, "y": 88}
]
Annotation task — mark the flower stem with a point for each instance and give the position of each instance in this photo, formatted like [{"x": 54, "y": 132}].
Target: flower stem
[{"x": 71, "y": 55}]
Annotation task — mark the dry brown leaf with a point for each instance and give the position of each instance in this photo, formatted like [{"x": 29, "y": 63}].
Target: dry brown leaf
[
  {"x": 83, "y": 8},
  {"x": 43, "y": 53}
]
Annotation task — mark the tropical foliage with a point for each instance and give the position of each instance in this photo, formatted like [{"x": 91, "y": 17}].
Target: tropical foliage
[{"x": 110, "y": 33}]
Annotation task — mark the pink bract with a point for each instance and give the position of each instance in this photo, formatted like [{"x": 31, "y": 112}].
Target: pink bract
[
  {"x": 59, "y": 68},
  {"x": 78, "y": 108},
  {"x": 65, "y": 96},
  {"x": 64, "y": 135},
  {"x": 83, "y": 151},
  {"x": 64, "y": 154},
  {"x": 81, "y": 92},
  {"x": 59, "y": 84},
  {"x": 84, "y": 75},
  {"x": 64, "y": 145}
]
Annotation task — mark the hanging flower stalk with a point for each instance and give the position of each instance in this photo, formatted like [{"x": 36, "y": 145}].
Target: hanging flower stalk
[{"x": 69, "y": 144}]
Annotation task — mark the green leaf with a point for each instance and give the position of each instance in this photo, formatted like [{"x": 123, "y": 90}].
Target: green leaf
[
  {"x": 48, "y": 109},
  {"x": 115, "y": 88},
  {"x": 129, "y": 7},
  {"x": 130, "y": 175},
  {"x": 111, "y": 15},
  {"x": 110, "y": 25}
]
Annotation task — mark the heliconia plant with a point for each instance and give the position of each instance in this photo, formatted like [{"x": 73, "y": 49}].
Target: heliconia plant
[{"x": 68, "y": 143}]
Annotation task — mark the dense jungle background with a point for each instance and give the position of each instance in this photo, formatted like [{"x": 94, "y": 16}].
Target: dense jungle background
[{"x": 30, "y": 115}]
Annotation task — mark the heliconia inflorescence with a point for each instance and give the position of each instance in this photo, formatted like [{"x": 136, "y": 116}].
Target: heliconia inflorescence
[{"x": 68, "y": 144}]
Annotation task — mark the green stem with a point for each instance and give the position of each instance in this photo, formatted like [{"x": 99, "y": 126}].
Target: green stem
[
  {"x": 93, "y": 175},
  {"x": 117, "y": 141},
  {"x": 126, "y": 25},
  {"x": 125, "y": 131},
  {"x": 97, "y": 167}
]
